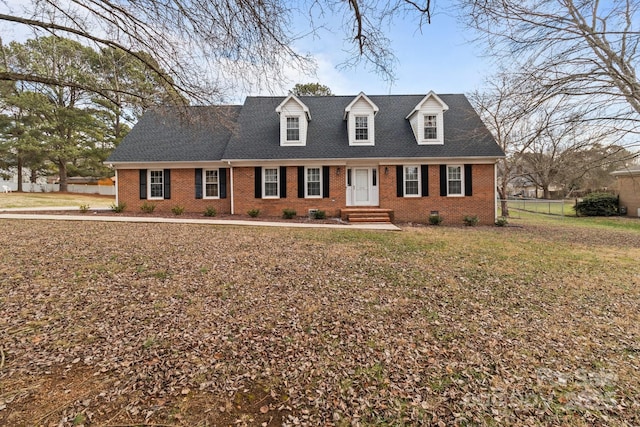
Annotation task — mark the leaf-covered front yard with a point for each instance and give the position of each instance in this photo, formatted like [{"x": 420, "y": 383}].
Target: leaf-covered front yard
[{"x": 130, "y": 324}]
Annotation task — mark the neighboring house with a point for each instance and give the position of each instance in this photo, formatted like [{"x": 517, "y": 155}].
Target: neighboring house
[
  {"x": 628, "y": 186},
  {"x": 408, "y": 155}
]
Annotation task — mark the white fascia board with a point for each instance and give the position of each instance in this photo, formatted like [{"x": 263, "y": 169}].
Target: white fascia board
[
  {"x": 297, "y": 100},
  {"x": 347, "y": 109},
  {"x": 433, "y": 95},
  {"x": 168, "y": 165}
]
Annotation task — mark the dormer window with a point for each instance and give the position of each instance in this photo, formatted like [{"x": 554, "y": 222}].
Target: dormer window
[
  {"x": 293, "y": 129},
  {"x": 294, "y": 121},
  {"x": 430, "y": 127},
  {"x": 427, "y": 120},
  {"x": 360, "y": 117},
  {"x": 362, "y": 128}
]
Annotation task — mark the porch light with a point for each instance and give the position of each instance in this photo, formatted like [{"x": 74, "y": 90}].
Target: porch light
[
  {"x": 338, "y": 171},
  {"x": 386, "y": 170}
]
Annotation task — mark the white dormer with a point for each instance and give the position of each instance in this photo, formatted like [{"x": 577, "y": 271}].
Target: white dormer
[
  {"x": 294, "y": 120},
  {"x": 360, "y": 114},
  {"x": 427, "y": 120}
]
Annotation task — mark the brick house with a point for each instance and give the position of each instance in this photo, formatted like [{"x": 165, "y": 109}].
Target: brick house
[
  {"x": 403, "y": 155},
  {"x": 628, "y": 186}
]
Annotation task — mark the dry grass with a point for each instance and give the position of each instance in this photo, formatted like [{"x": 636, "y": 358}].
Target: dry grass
[
  {"x": 127, "y": 324},
  {"x": 38, "y": 200}
]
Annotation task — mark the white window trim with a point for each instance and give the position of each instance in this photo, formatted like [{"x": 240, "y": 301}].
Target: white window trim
[
  {"x": 439, "y": 140},
  {"x": 306, "y": 186},
  {"x": 370, "y": 130},
  {"x": 424, "y": 127},
  {"x": 288, "y": 141},
  {"x": 264, "y": 183},
  {"x": 149, "y": 184},
  {"x": 404, "y": 181},
  {"x": 461, "y": 181},
  {"x": 204, "y": 184}
]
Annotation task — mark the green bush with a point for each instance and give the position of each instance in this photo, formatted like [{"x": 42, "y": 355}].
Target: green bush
[
  {"x": 148, "y": 207},
  {"x": 597, "y": 204},
  {"x": 84, "y": 208},
  {"x": 320, "y": 214},
  {"x": 177, "y": 210},
  {"x": 253, "y": 212},
  {"x": 119, "y": 207},
  {"x": 470, "y": 220},
  {"x": 210, "y": 211},
  {"x": 501, "y": 222},
  {"x": 288, "y": 213},
  {"x": 435, "y": 219}
]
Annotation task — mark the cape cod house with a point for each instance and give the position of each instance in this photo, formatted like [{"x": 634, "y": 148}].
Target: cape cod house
[{"x": 407, "y": 156}]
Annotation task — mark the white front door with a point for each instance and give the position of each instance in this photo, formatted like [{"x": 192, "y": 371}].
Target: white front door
[
  {"x": 362, "y": 186},
  {"x": 361, "y": 183}
]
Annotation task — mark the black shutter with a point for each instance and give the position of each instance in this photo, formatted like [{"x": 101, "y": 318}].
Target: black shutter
[
  {"x": 424, "y": 177},
  {"x": 167, "y": 184},
  {"x": 468, "y": 184},
  {"x": 301, "y": 182},
  {"x": 222, "y": 182},
  {"x": 399, "y": 181},
  {"x": 143, "y": 184},
  {"x": 443, "y": 180},
  {"x": 198, "y": 183},
  {"x": 325, "y": 181},
  {"x": 283, "y": 182},
  {"x": 258, "y": 182}
]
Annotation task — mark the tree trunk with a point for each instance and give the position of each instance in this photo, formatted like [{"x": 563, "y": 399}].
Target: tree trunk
[
  {"x": 19, "y": 168},
  {"x": 62, "y": 172},
  {"x": 504, "y": 206},
  {"x": 545, "y": 192}
]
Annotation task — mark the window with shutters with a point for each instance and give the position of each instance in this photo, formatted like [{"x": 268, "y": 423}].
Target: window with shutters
[
  {"x": 411, "y": 181},
  {"x": 313, "y": 183},
  {"x": 455, "y": 185},
  {"x": 156, "y": 184},
  {"x": 211, "y": 184},
  {"x": 270, "y": 183}
]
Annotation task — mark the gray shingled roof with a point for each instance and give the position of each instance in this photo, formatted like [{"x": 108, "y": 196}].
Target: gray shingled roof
[
  {"x": 164, "y": 137},
  {"x": 179, "y": 135}
]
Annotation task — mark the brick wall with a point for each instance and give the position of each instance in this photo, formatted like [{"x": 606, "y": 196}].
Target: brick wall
[
  {"x": 182, "y": 193},
  {"x": 244, "y": 183},
  {"x": 629, "y": 191},
  {"x": 406, "y": 209},
  {"x": 452, "y": 209}
]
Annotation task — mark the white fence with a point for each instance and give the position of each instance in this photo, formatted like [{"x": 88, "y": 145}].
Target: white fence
[{"x": 105, "y": 190}]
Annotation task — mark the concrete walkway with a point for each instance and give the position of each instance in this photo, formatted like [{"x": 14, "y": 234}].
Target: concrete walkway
[{"x": 21, "y": 213}]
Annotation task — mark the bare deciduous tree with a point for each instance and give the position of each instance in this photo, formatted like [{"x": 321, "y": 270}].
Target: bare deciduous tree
[
  {"x": 585, "y": 49},
  {"x": 194, "y": 45}
]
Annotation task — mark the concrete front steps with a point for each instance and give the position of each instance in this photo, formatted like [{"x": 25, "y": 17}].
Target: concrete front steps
[{"x": 366, "y": 215}]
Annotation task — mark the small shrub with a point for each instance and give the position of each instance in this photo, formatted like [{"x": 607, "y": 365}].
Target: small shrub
[
  {"x": 119, "y": 207},
  {"x": 288, "y": 213},
  {"x": 84, "y": 208},
  {"x": 177, "y": 210},
  {"x": 435, "y": 219},
  {"x": 320, "y": 214},
  {"x": 148, "y": 207},
  {"x": 253, "y": 212},
  {"x": 210, "y": 211},
  {"x": 501, "y": 222},
  {"x": 470, "y": 220},
  {"x": 597, "y": 204}
]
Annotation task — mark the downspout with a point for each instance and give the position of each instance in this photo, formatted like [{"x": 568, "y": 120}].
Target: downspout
[
  {"x": 496, "y": 195},
  {"x": 117, "y": 181},
  {"x": 231, "y": 187}
]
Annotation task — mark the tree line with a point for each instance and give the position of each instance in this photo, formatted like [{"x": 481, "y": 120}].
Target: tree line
[{"x": 67, "y": 129}]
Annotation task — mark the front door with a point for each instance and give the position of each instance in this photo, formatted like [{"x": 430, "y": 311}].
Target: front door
[{"x": 362, "y": 186}]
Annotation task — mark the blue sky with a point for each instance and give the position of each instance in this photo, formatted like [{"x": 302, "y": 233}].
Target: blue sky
[{"x": 441, "y": 57}]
